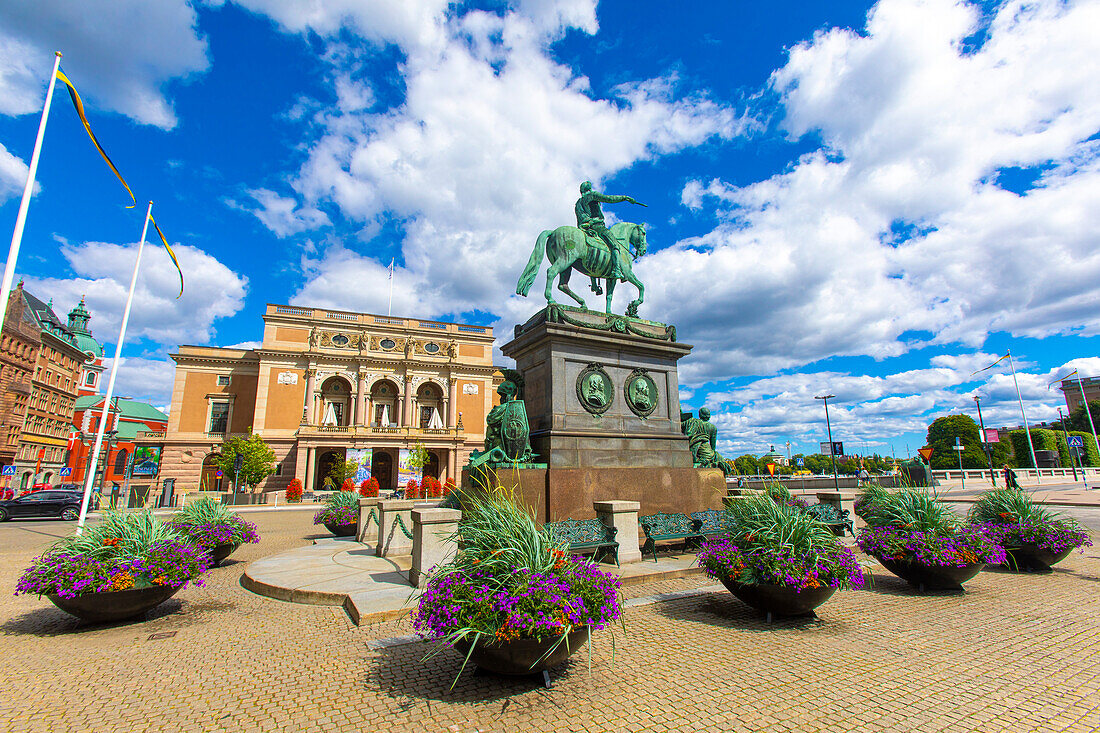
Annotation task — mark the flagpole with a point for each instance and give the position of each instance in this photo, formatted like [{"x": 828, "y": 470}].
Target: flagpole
[
  {"x": 1027, "y": 428},
  {"x": 28, "y": 189},
  {"x": 1088, "y": 412},
  {"x": 389, "y": 308},
  {"x": 89, "y": 478}
]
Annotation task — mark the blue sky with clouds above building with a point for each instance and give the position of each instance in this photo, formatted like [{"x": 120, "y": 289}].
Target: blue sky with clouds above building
[{"x": 872, "y": 200}]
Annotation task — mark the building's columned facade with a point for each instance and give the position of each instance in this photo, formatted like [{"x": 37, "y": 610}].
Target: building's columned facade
[{"x": 323, "y": 382}]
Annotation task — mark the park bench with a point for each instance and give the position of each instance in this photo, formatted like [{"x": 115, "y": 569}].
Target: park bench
[
  {"x": 835, "y": 519},
  {"x": 583, "y": 535},
  {"x": 712, "y": 522},
  {"x": 663, "y": 527}
]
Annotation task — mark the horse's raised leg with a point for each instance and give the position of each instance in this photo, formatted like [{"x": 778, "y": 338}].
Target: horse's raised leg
[
  {"x": 610, "y": 292},
  {"x": 563, "y": 285}
]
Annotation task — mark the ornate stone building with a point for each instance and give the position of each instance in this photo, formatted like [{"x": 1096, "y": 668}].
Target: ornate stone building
[
  {"x": 19, "y": 345},
  {"x": 324, "y": 382}
]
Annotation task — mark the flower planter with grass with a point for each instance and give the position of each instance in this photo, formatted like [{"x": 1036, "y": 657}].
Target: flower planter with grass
[
  {"x": 118, "y": 569},
  {"x": 1035, "y": 538},
  {"x": 214, "y": 527},
  {"x": 511, "y": 601},
  {"x": 779, "y": 559},
  {"x": 340, "y": 515},
  {"x": 923, "y": 542}
]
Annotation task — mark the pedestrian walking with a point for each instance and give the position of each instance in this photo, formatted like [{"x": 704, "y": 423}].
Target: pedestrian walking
[{"x": 1010, "y": 478}]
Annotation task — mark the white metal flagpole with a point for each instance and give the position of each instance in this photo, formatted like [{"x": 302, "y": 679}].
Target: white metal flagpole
[
  {"x": 389, "y": 308},
  {"x": 89, "y": 478},
  {"x": 28, "y": 189},
  {"x": 1092, "y": 426},
  {"x": 1027, "y": 428}
]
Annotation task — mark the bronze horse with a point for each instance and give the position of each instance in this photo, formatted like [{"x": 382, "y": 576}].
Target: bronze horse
[{"x": 567, "y": 248}]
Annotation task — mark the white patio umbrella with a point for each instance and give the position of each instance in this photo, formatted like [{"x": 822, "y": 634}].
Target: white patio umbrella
[
  {"x": 330, "y": 415},
  {"x": 434, "y": 422},
  {"x": 385, "y": 419}
]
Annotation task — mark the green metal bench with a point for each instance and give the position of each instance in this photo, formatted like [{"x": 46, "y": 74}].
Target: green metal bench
[
  {"x": 712, "y": 522},
  {"x": 663, "y": 527},
  {"x": 583, "y": 535},
  {"x": 835, "y": 519}
]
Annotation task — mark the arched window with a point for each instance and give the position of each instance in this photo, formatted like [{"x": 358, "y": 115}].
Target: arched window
[{"x": 120, "y": 461}]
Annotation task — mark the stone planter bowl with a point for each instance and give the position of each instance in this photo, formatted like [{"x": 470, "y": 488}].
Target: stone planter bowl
[
  {"x": 931, "y": 578},
  {"x": 341, "y": 530},
  {"x": 115, "y": 605},
  {"x": 779, "y": 600},
  {"x": 218, "y": 553},
  {"x": 523, "y": 656},
  {"x": 1032, "y": 558}
]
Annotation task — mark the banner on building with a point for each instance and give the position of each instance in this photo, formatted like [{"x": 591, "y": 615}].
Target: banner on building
[
  {"x": 363, "y": 457},
  {"x": 146, "y": 461},
  {"x": 405, "y": 472}
]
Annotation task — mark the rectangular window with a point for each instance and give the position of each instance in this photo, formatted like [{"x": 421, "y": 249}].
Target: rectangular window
[
  {"x": 223, "y": 380},
  {"x": 219, "y": 417}
]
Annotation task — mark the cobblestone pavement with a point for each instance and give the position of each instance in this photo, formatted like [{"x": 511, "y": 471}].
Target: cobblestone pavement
[{"x": 1015, "y": 653}]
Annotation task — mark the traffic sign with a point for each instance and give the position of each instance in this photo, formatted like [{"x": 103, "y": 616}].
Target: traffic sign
[
  {"x": 1076, "y": 441},
  {"x": 66, "y": 472},
  {"x": 770, "y": 467},
  {"x": 218, "y": 473},
  {"x": 925, "y": 453},
  {"x": 8, "y": 470},
  {"x": 801, "y": 462}
]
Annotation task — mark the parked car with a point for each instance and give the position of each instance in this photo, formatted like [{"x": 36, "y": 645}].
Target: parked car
[{"x": 45, "y": 503}]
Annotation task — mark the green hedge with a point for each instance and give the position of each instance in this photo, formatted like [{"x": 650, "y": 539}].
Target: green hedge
[{"x": 1050, "y": 440}]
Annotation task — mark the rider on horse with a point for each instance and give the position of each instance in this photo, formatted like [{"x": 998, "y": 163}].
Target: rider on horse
[{"x": 590, "y": 221}]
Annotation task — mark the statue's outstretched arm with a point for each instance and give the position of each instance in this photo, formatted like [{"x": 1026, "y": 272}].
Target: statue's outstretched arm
[{"x": 615, "y": 199}]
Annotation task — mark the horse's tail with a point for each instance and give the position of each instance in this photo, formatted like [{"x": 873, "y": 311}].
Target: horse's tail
[{"x": 532, "y": 270}]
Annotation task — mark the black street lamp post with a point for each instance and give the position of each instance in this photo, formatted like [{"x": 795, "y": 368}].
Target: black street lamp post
[{"x": 829, "y": 427}]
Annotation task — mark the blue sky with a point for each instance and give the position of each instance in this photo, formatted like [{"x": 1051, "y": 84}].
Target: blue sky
[{"x": 867, "y": 199}]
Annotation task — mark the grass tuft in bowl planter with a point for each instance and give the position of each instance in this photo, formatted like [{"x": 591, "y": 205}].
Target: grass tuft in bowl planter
[
  {"x": 779, "y": 559},
  {"x": 340, "y": 513},
  {"x": 214, "y": 527},
  {"x": 922, "y": 541},
  {"x": 512, "y": 601},
  {"x": 1034, "y": 537},
  {"x": 117, "y": 569}
]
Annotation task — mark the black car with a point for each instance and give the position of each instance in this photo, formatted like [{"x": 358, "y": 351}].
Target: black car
[{"x": 44, "y": 503}]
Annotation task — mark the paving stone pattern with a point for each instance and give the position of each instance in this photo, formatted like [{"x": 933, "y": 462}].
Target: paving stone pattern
[{"x": 1015, "y": 653}]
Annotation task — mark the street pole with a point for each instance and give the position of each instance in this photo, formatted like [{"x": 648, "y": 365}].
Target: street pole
[
  {"x": 1070, "y": 448},
  {"x": 1027, "y": 428},
  {"x": 985, "y": 443},
  {"x": 28, "y": 190},
  {"x": 959, "y": 451},
  {"x": 829, "y": 427},
  {"x": 1085, "y": 402}
]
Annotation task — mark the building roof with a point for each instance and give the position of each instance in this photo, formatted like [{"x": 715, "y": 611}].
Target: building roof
[
  {"x": 128, "y": 409},
  {"x": 78, "y": 326}
]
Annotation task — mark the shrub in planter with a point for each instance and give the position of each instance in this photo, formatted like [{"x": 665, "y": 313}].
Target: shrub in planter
[
  {"x": 778, "y": 558},
  {"x": 780, "y": 494},
  {"x": 922, "y": 541},
  {"x": 348, "y": 485},
  {"x": 1034, "y": 538},
  {"x": 432, "y": 489},
  {"x": 340, "y": 514},
  {"x": 294, "y": 491},
  {"x": 449, "y": 487},
  {"x": 212, "y": 526},
  {"x": 121, "y": 567},
  {"x": 511, "y": 600},
  {"x": 368, "y": 488},
  {"x": 413, "y": 490}
]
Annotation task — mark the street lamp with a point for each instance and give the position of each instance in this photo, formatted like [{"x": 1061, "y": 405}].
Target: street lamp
[
  {"x": 829, "y": 426},
  {"x": 985, "y": 443}
]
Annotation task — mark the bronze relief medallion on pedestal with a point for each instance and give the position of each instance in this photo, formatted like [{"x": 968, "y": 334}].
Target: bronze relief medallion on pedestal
[
  {"x": 640, "y": 392},
  {"x": 594, "y": 389}
]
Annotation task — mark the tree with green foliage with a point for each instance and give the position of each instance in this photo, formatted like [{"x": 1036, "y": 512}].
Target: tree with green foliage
[
  {"x": 258, "y": 459},
  {"x": 941, "y": 439},
  {"x": 341, "y": 471},
  {"x": 1078, "y": 420},
  {"x": 747, "y": 465}
]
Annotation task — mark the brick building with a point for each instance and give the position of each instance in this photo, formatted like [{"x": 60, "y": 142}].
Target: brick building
[
  {"x": 19, "y": 345},
  {"x": 324, "y": 383},
  {"x": 47, "y": 424}
]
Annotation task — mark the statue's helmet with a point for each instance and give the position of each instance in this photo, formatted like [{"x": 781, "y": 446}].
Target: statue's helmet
[{"x": 586, "y": 186}]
